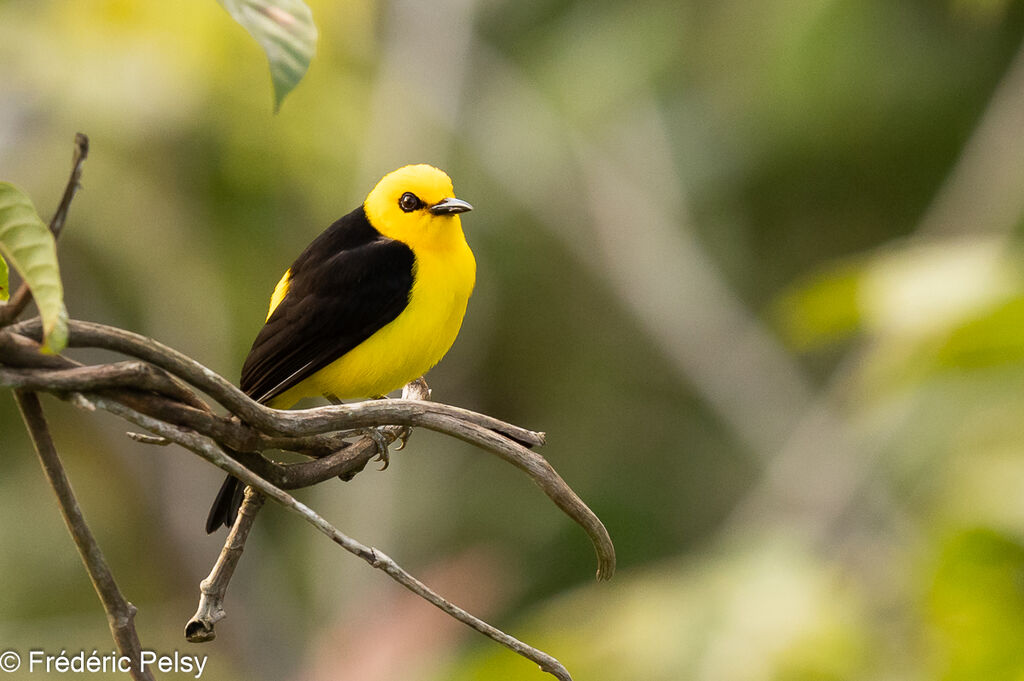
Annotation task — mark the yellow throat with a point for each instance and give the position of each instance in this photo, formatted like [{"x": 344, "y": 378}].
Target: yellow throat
[{"x": 444, "y": 273}]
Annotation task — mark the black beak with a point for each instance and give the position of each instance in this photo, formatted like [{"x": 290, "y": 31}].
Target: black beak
[{"x": 450, "y": 207}]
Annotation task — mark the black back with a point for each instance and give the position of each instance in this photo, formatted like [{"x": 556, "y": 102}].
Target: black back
[{"x": 348, "y": 283}]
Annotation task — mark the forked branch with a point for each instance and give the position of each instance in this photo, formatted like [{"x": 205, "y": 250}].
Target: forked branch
[
  {"x": 159, "y": 389},
  {"x": 309, "y": 431},
  {"x": 208, "y": 450}
]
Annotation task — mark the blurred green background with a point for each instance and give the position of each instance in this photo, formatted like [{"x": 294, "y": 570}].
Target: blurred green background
[{"x": 754, "y": 266}]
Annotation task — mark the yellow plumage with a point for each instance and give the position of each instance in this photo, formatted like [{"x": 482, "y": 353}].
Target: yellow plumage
[
  {"x": 444, "y": 274},
  {"x": 371, "y": 304},
  {"x": 279, "y": 292}
]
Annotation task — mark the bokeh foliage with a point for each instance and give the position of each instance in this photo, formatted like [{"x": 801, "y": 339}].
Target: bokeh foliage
[{"x": 755, "y": 267}]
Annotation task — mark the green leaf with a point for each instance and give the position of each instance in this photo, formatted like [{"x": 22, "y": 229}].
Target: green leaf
[
  {"x": 27, "y": 243},
  {"x": 5, "y": 287},
  {"x": 285, "y": 31}
]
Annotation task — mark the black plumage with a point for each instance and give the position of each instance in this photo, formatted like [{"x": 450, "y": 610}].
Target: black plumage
[{"x": 348, "y": 283}]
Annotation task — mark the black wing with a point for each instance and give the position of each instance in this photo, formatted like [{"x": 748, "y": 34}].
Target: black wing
[{"x": 346, "y": 285}]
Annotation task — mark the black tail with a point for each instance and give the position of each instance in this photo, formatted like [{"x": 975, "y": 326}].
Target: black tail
[{"x": 225, "y": 506}]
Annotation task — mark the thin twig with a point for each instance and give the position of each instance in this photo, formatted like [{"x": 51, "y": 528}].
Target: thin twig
[
  {"x": 213, "y": 589},
  {"x": 201, "y": 627},
  {"x": 120, "y": 613},
  {"x": 480, "y": 430},
  {"x": 21, "y": 352},
  {"x": 209, "y": 450},
  {"x": 143, "y": 438},
  {"x": 280, "y": 422},
  {"x": 128, "y": 374},
  {"x": 142, "y": 393},
  {"x": 67, "y": 379},
  {"x": 17, "y": 303},
  {"x": 73, "y": 185}
]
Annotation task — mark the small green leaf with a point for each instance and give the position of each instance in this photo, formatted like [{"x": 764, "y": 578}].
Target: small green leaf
[
  {"x": 28, "y": 244},
  {"x": 285, "y": 31},
  {"x": 5, "y": 286}
]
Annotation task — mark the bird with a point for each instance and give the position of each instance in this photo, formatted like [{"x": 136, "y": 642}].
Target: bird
[{"x": 373, "y": 302}]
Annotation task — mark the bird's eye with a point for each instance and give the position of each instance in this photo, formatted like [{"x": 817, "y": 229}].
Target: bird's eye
[{"x": 409, "y": 202}]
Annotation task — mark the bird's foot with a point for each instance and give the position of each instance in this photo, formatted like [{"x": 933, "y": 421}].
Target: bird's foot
[
  {"x": 403, "y": 434},
  {"x": 403, "y": 437},
  {"x": 381, "y": 441}
]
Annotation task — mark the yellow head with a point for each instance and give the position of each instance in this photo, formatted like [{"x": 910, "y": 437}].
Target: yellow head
[{"x": 417, "y": 206}]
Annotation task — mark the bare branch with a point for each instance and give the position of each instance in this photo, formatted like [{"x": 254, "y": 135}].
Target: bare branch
[
  {"x": 22, "y": 352},
  {"x": 480, "y": 430},
  {"x": 209, "y": 450},
  {"x": 17, "y": 303},
  {"x": 73, "y": 185},
  {"x": 483, "y": 431},
  {"x": 541, "y": 472},
  {"x": 145, "y": 439},
  {"x": 17, "y": 350},
  {"x": 212, "y": 589},
  {"x": 201, "y": 627},
  {"x": 65, "y": 378},
  {"x": 131, "y": 374},
  {"x": 151, "y": 394},
  {"x": 276, "y": 421},
  {"x": 120, "y": 613}
]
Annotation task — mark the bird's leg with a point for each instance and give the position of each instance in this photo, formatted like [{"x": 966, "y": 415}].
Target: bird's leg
[
  {"x": 403, "y": 433},
  {"x": 383, "y": 455},
  {"x": 403, "y": 437},
  {"x": 376, "y": 435}
]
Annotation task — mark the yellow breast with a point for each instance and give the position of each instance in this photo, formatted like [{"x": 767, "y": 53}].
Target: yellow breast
[{"x": 413, "y": 342}]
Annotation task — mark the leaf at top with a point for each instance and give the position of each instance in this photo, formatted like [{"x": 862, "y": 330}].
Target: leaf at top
[
  {"x": 29, "y": 246},
  {"x": 285, "y": 31},
  {"x": 5, "y": 287}
]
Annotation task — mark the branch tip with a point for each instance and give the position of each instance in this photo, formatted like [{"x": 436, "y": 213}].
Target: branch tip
[{"x": 145, "y": 439}]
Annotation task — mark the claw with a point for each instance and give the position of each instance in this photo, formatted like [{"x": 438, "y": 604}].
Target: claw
[
  {"x": 403, "y": 438},
  {"x": 382, "y": 446}
]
